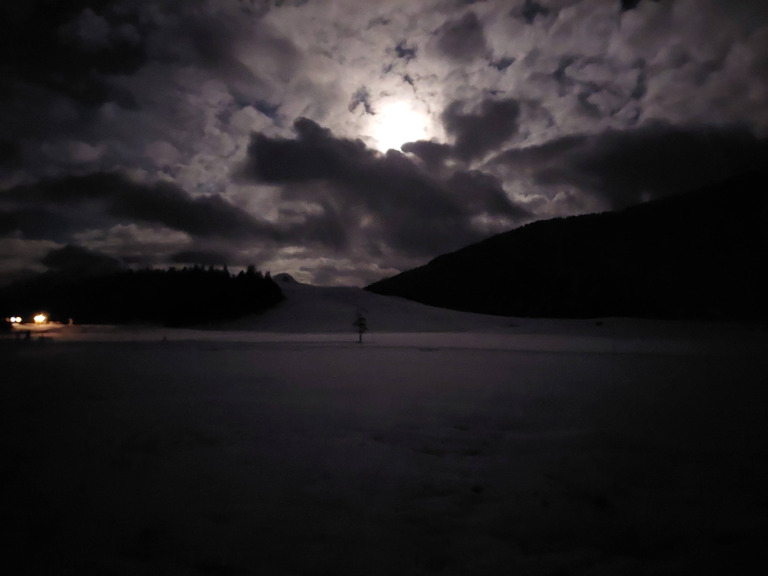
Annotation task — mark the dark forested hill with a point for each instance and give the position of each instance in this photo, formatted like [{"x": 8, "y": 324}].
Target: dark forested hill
[
  {"x": 171, "y": 297},
  {"x": 697, "y": 255}
]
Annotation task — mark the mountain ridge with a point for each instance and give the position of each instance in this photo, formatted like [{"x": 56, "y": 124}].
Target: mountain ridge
[{"x": 695, "y": 255}]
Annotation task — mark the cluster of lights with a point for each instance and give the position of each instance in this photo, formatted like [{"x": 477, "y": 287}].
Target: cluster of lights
[{"x": 39, "y": 318}]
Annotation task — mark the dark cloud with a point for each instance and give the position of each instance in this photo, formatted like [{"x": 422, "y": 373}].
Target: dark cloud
[
  {"x": 564, "y": 82},
  {"x": 478, "y": 132},
  {"x": 239, "y": 49},
  {"x": 40, "y": 222},
  {"x": 58, "y": 63},
  {"x": 631, "y": 4},
  {"x": 75, "y": 259},
  {"x": 640, "y": 87},
  {"x": 79, "y": 202},
  {"x": 402, "y": 50},
  {"x": 67, "y": 48},
  {"x": 9, "y": 152},
  {"x": 626, "y": 167},
  {"x": 599, "y": 87},
  {"x": 199, "y": 216},
  {"x": 361, "y": 97},
  {"x": 462, "y": 40},
  {"x": 73, "y": 72},
  {"x": 314, "y": 154},
  {"x": 433, "y": 154},
  {"x": 328, "y": 228},
  {"x": 64, "y": 208},
  {"x": 530, "y": 10},
  {"x": 485, "y": 194},
  {"x": 503, "y": 63},
  {"x": 410, "y": 209},
  {"x": 213, "y": 39}
]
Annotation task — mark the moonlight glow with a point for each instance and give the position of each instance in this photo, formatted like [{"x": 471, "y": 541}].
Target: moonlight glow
[{"x": 398, "y": 123}]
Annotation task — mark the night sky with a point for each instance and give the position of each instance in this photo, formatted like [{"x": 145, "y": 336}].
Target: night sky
[{"x": 343, "y": 141}]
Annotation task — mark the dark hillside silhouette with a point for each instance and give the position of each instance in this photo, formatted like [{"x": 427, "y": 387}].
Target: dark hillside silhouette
[
  {"x": 695, "y": 255},
  {"x": 171, "y": 297}
]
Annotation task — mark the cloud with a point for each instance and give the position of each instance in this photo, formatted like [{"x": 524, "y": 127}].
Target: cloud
[
  {"x": 483, "y": 193},
  {"x": 90, "y": 29},
  {"x": 462, "y": 40},
  {"x": 530, "y": 10},
  {"x": 132, "y": 220},
  {"x": 402, "y": 50},
  {"x": 38, "y": 223},
  {"x": 145, "y": 223},
  {"x": 105, "y": 197},
  {"x": 172, "y": 91},
  {"x": 407, "y": 207},
  {"x": 69, "y": 50},
  {"x": 9, "y": 152},
  {"x": 622, "y": 168},
  {"x": 20, "y": 258},
  {"x": 361, "y": 97},
  {"x": 433, "y": 154},
  {"x": 486, "y": 129},
  {"x": 74, "y": 259},
  {"x": 631, "y": 4}
]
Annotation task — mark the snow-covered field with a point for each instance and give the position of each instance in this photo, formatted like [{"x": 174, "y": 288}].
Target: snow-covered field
[{"x": 446, "y": 444}]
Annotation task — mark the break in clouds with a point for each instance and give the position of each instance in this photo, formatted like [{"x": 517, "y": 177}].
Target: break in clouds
[{"x": 343, "y": 141}]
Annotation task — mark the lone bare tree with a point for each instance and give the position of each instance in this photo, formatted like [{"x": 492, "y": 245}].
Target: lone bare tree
[{"x": 361, "y": 326}]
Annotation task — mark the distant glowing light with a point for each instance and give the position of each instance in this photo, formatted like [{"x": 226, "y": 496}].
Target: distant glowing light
[
  {"x": 397, "y": 123},
  {"x": 15, "y": 319},
  {"x": 40, "y": 318}
]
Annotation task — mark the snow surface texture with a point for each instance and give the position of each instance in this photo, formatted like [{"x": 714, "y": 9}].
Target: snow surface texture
[{"x": 522, "y": 447}]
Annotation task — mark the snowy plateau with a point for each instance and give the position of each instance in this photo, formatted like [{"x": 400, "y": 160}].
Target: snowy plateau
[{"x": 445, "y": 443}]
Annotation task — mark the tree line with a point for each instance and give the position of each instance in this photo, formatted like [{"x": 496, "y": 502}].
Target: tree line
[{"x": 172, "y": 297}]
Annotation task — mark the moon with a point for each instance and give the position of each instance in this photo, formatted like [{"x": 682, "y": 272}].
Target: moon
[{"x": 397, "y": 123}]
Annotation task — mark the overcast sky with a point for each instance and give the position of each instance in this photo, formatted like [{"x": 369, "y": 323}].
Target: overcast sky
[{"x": 344, "y": 140}]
